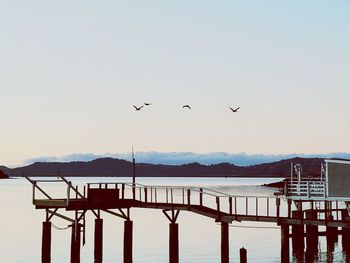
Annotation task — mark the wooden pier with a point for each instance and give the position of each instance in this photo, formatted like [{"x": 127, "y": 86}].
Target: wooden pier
[{"x": 118, "y": 198}]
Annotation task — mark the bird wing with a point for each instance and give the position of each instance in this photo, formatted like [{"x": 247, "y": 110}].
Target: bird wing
[
  {"x": 135, "y": 107},
  {"x": 231, "y": 109},
  {"x": 238, "y": 108}
]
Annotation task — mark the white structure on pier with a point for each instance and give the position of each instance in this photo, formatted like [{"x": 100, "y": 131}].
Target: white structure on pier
[{"x": 332, "y": 184}]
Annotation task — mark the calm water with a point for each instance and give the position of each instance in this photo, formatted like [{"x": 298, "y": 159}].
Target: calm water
[{"x": 20, "y": 228}]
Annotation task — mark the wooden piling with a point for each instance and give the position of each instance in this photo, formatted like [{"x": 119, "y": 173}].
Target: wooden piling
[
  {"x": 75, "y": 243},
  {"x": 298, "y": 234},
  {"x": 128, "y": 226},
  {"x": 243, "y": 255},
  {"x": 46, "y": 243},
  {"x": 311, "y": 237},
  {"x": 284, "y": 243},
  {"x": 173, "y": 243},
  {"x": 98, "y": 251},
  {"x": 345, "y": 231},
  {"x": 311, "y": 232},
  {"x": 331, "y": 231},
  {"x": 224, "y": 242}
]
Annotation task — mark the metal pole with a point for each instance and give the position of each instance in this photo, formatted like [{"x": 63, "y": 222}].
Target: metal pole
[{"x": 133, "y": 173}]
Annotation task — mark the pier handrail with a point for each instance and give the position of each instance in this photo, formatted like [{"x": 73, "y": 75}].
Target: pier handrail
[
  {"x": 204, "y": 190},
  {"x": 221, "y": 202},
  {"x": 194, "y": 198}
]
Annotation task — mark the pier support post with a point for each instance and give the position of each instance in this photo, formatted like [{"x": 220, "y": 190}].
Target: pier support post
[
  {"x": 46, "y": 243},
  {"x": 331, "y": 231},
  {"x": 311, "y": 232},
  {"x": 331, "y": 235},
  {"x": 98, "y": 240},
  {"x": 224, "y": 242},
  {"x": 128, "y": 226},
  {"x": 284, "y": 243},
  {"x": 311, "y": 236},
  {"x": 75, "y": 243},
  {"x": 173, "y": 243},
  {"x": 345, "y": 231},
  {"x": 298, "y": 235},
  {"x": 242, "y": 255}
]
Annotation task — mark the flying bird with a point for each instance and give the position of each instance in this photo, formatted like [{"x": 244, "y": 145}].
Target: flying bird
[
  {"x": 138, "y": 108},
  {"x": 186, "y": 106},
  {"x": 234, "y": 110},
  {"x": 148, "y": 104}
]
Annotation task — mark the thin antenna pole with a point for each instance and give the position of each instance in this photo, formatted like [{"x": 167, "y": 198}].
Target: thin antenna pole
[{"x": 133, "y": 173}]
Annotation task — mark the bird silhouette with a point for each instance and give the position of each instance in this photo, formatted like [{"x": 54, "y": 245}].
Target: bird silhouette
[
  {"x": 148, "y": 104},
  {"x": 234, "y": 110},
  {"x": 186, "y": 106},
  {"x": 138, "y": 108}
]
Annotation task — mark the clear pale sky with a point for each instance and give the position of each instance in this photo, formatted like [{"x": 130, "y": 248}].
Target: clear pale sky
[{"x": 70, "y": 72}]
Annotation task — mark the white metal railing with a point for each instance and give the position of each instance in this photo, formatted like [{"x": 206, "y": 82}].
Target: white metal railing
[
  {"x": 308, "y": 189},
  {"x": 190, "y": 195}
]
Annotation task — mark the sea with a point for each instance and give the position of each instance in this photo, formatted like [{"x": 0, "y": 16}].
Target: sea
[{"x": 199, "y": 236}]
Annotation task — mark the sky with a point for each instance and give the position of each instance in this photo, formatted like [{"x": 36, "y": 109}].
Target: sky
[{"x": 70, "y": 72}]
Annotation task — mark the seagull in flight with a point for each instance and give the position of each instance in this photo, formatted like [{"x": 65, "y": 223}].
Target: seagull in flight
[
  {"x": 138, "y": 108},
  {"x": 186, "y": 106},
  {"x": 148, "y": 103},
  {"x": 234, "y": 110}
]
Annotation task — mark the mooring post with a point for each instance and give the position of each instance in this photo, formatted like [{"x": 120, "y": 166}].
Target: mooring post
[
  {"x": 345, "y": 230},
  {"x": 243, "y": 255},
  {"x": 98, "y": 240},
  {"x": 298, "y": 234},
  {"x": 75, "y": 243},
  {"x": 46, "y": 243},
  {"x": 173, "y": 243},
  {"x": 224, "y": 242},
  {"x": 128, "y": 225},
  {"x": 284, "y": 243}
]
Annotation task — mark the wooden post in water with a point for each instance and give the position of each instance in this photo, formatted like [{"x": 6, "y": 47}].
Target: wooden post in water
[
  {"x": 345, "y": 231},
  {"x": 331, "y": 232},
  {"x": 224, "y": 242},
  {"x": 243, "y": 255},
  {"x": 173, "y": 243},
  {"x": 128, "y": 241},
  {"x": 98, "y": 240},
  {"x": 284, "y": 243},
  {"x": 75, "y": 243},
  {"x": 298, "y": 234},
  {"x": 46, "y": 243},
  {"x": 311, "y": 236}
]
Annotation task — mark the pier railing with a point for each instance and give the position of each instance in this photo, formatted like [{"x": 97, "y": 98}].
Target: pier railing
[
  {"x": 221, "y": 202},
  {"x": 197, "y": 199},
  {"x": 307, "y": 189}
]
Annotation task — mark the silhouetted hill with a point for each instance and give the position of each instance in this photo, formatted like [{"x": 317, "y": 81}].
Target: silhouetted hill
[
  {"x": 122, "y": 168},
  {"x": 3, "y": 175}
]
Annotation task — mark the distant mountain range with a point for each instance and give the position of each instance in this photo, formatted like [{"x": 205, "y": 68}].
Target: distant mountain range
[
  {"x": 123, "y": 168},
  {"x": 178, "y": 158}
]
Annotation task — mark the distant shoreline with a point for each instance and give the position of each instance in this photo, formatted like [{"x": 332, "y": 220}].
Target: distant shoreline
[{"x": 110, "y": 176}]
